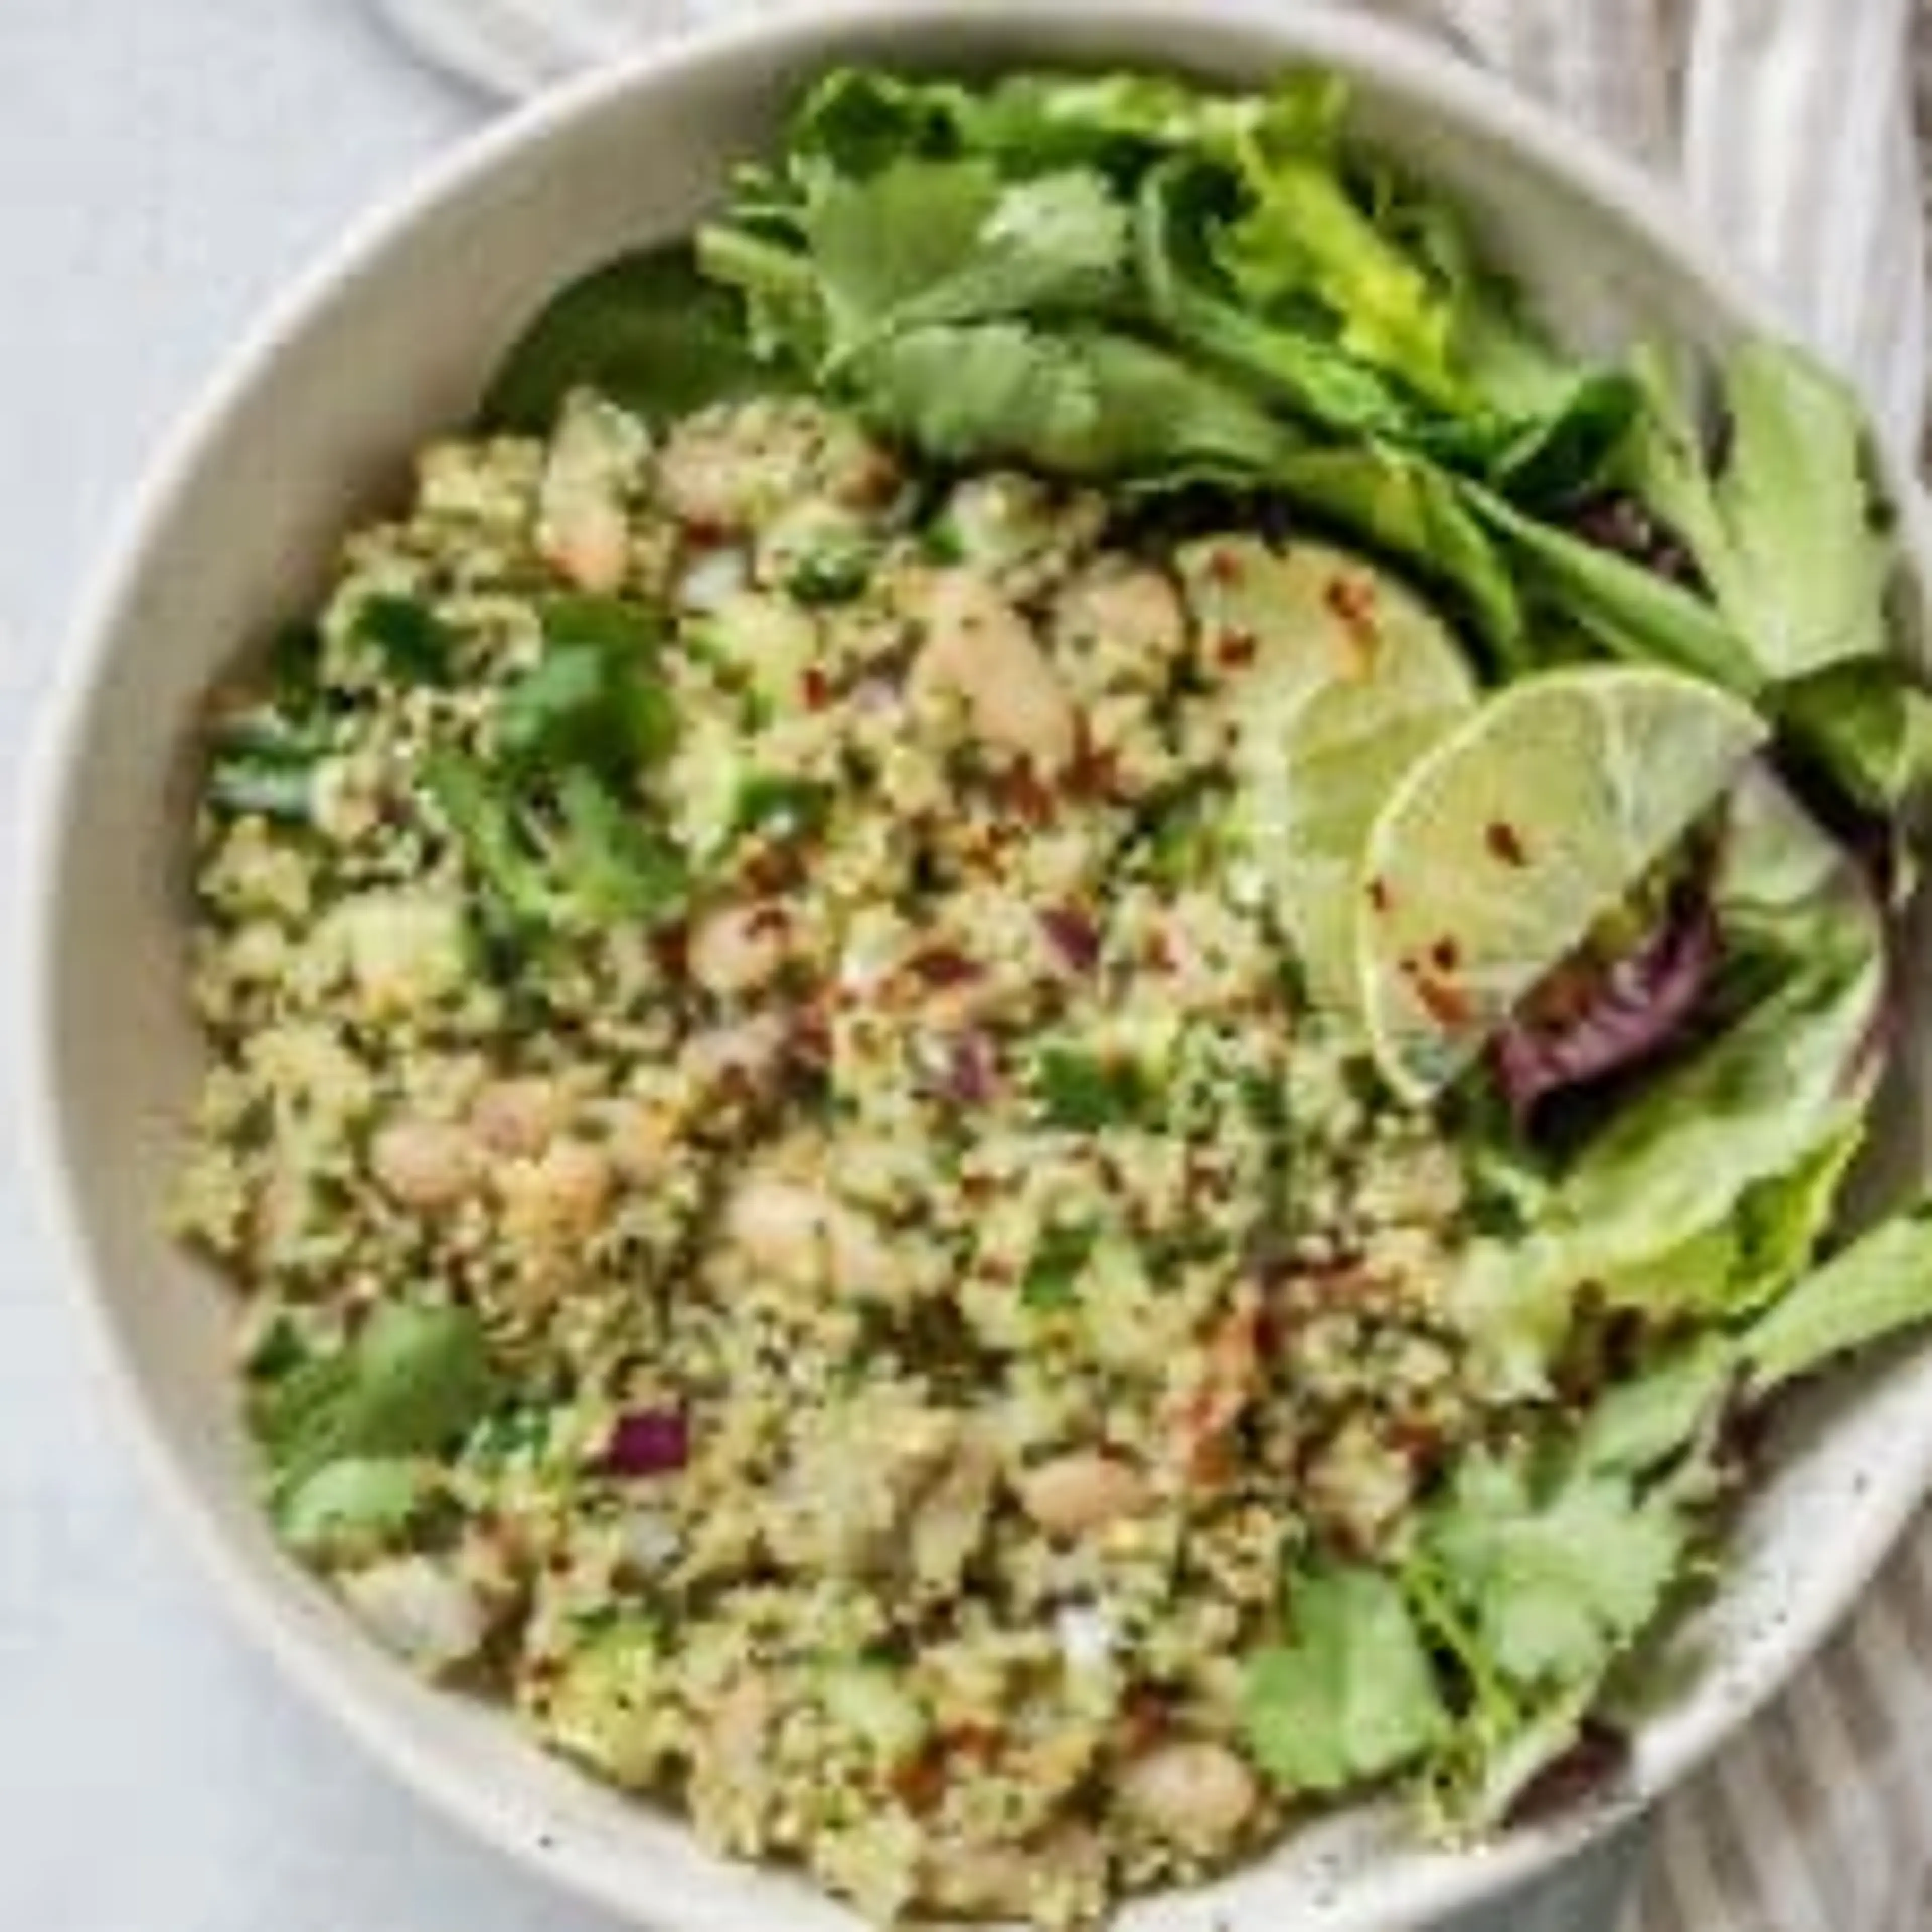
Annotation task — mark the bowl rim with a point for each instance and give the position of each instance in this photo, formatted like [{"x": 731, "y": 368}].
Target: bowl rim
[{"x": 1320, "y": 32}]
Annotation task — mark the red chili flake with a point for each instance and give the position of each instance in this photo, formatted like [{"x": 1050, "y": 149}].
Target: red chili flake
[
  {"x": 771, "y": 870},
  {"x": 1236, "y": 649},
  {"x": 1269, "y": 1332},
  {"x": 1352, "y": 599},
  {"x": 1095, "y": 771},
  {"x": 1073, "y": 935},
  {"x": 1022, "y": 794},
  {"x": 919, "y": 1782},
  {"x": 941, "y": 966},
  {"x": 1378, "y": 894},
  {"x": 817, "y": 688},
  {"x": 1446, "y": 954},
  {"x": 1505, "y": 844},
  {"x": 1144, "y": 1720},
  {"x": 808, "y": 1046},
  {"x": 1447, "y": 1006},
  {"x": 671, "y": 944},
  {"x": 1418, "y": 1440},
  {"x": 1224, "y": 565},
  {"x": 978, "y": 1743}
]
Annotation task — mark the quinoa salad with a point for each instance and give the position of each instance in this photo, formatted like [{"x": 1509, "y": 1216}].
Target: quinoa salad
[{"x": 1027, "y": 1025}]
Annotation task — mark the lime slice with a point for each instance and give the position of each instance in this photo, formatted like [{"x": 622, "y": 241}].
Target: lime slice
[
  {"x": 1504, "y": 844},
  {"x": 1350, "y": 677}
]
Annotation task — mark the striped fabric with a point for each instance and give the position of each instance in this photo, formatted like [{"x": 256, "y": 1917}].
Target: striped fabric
[{"x": 1791, "y": 124}]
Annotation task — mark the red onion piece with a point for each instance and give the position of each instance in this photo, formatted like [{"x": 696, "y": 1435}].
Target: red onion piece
[
  {"x": 973, "y": 1075},
  {"x": 649, "y": 1442},
  {"x": 1072, "y": 935},
  {"x": 1636, "y": 1007}
]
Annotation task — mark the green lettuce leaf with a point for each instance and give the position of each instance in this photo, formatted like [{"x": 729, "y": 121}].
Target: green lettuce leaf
[
  {"x": 1415, "y": 512},
  {"x": 1638, "y": 1426},
  {"x": 1786, "y": 531},
  {"x": 1123, "y": 122},
  {"x": 649, "y": 331},
  {"x": 1867, "y": 725},
  {"x": 1304, "y": 239},
  {"x": 1311, "y": 374},
  {"x": 1627, "y": 610},
  {"x": 1881, "y": 1283},
  {"x": 1706, "y": 1191},
  {"x": 1351, "y": 1695}
]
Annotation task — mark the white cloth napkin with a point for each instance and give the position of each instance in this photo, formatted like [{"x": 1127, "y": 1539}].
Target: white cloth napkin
[{"x": 1789, "y": 125}]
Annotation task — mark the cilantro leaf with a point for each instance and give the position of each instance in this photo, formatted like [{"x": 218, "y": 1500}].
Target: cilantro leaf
[
  {"x": 1079, "y": 401},
  {"x": 263, "y": 760},
  {"x": 1084, "y": 1091},
  {"x": 778, "y": 807},
  {"x": 615, "y": 867},
  {"x": 1352, "y": 1694},
  {"x": 1053, "y": 1272},
  {"x": 412, "y": 1382},
  {"x": 1554, "y": 1585},
  {"x": 590, "y": 700},
  {"x": 412, "y": 642},
  {"x": 595, "y": 864}
]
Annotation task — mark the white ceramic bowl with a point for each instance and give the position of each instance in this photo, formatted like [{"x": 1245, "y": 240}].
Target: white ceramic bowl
[{"x": 308, "y": 428}]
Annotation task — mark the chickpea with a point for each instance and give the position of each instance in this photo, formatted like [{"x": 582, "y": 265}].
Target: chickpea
[
  {"x": 1007, "y": 1880},
  {"x": 1136, "y": 610},
  {"x": 592, "y": 549},
  {"x": 1196, "y": 1794},
  {"x": 583, "y": 530},
  {"x": 423, "y": 1164},
  {"x": 737, "y": 948},
  {"x": 559, "y": 1196},
  {"x": 795, "y": 1233},
  {"x": 1076, "y": 1494},
  {"x": 980, "y": 647},
  {"x": 517, "y": 1116}
]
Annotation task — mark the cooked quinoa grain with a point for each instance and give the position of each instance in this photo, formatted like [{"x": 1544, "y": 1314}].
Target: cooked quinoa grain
[{"x": 791, "y": 1218}]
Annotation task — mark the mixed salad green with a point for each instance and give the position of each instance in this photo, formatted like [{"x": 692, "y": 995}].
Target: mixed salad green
[{"x": 1604, "y": 854}]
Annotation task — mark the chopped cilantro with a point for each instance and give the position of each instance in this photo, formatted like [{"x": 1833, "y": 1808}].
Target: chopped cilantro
[
  {"x": 1084, "y": 1091},
  {"x": 833, "y": 574},
  {"x": 413, "y": 1382},
  {"x": 1054, "y": 1271},
  {"x": 414, "y": 644},
  {"x": 778, "y": 807}
]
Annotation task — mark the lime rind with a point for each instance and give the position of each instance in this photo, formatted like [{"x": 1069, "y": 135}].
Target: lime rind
[
  {"x": 1506, "y": 842},
  {"x": 1352, "y": 677}
]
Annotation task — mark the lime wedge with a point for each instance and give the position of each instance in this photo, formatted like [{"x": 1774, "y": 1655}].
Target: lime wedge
[
  {"x": 1503, "y": 845},
  {"x": 1349, "y": 676}
]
